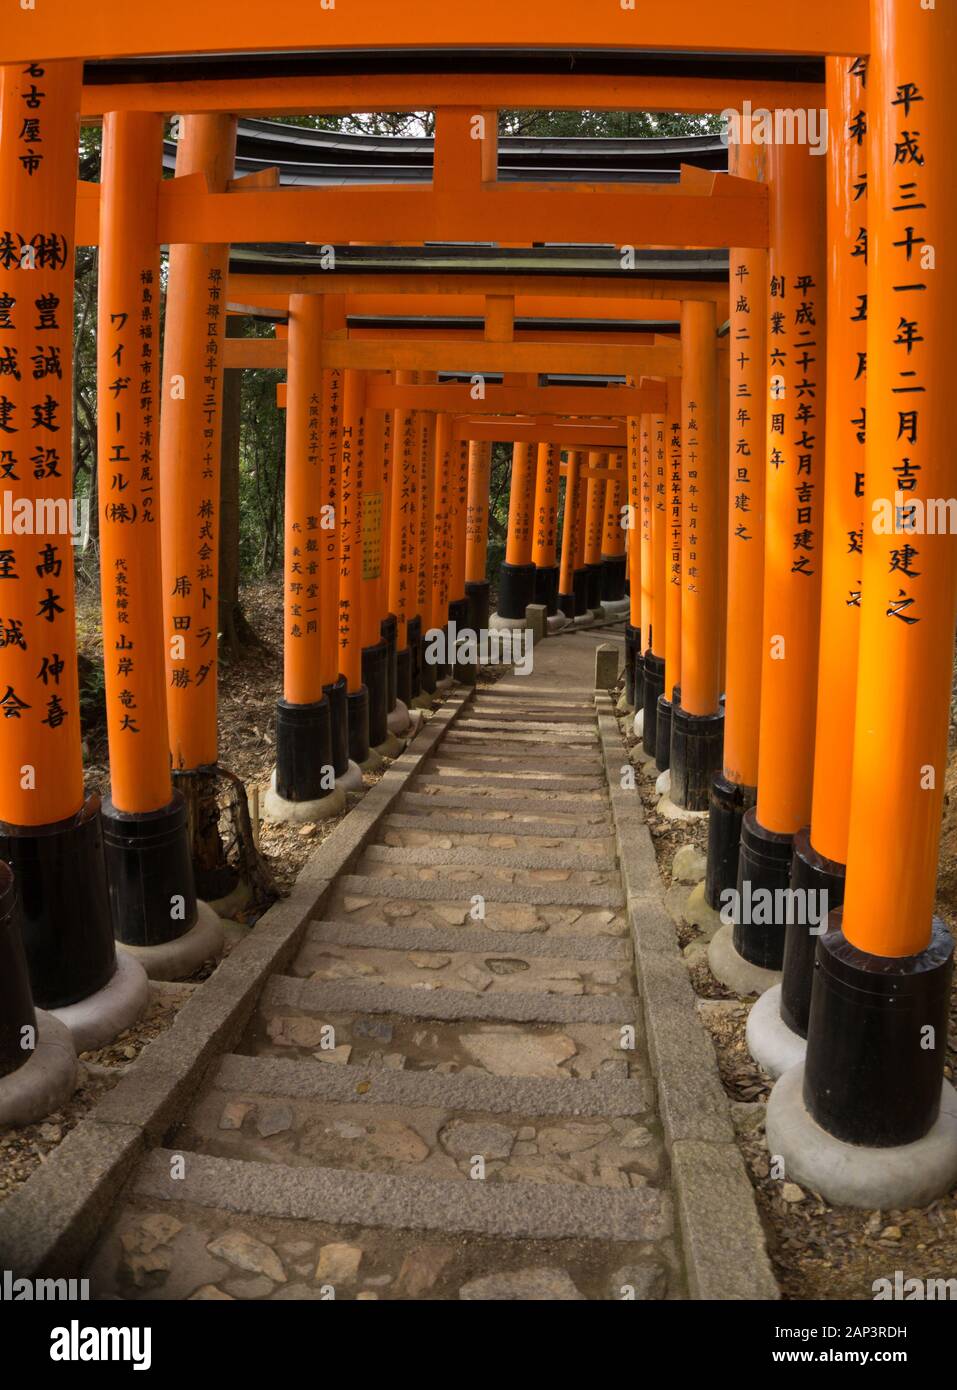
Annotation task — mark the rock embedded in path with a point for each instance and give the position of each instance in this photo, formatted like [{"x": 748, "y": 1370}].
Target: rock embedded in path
[
  {"x": 523, "y": 1285},
  {"x": 244, "y": 1251}
]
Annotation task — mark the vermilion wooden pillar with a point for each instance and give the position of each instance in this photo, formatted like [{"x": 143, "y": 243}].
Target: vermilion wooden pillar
[
  {"x": 404, "y": 544},
  {"x": 696, "y": 727},
  {"x": 879, "y": 1009},
  {"x": 594, "y": 525},
  {"x": 304, "y": 784},
  {"x": 820, "y": 850},
  {"x": 653, "y": 662},
  {"x": 516, "y": 586},
  {"x": 572, "y": 584},
  {"x": 613, "y": 562},
  {"x": 476, "y": 540},
  {"x": 190, "y": 418},
  {"x": 50, "y": 834},
  {"x": 735, "y": 789},
  {"x": 545, "y": 532},
  {"x": 150, "y": 871},
  {"x": 673, "y": 562},
  {"x": 794, "y": 494}
]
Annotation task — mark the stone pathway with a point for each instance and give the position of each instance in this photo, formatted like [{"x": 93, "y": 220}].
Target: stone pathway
[{"x": 447, "y": 1094}]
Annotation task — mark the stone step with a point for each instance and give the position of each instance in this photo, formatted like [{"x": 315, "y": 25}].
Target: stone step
[
  {"x": 498, "y": 858},
  {"x": 540, "y": 758},
  {"x": 434, "y": 1141},
  {"x": 399, "y": 936},
  {"x": 606, "y": 1096},
  {"x": 466, "y": 879},
  {"x": 550, "y": 720},
  {"x": 530, "y": 895},
  {"x": 464, "y": 968},
  {"x": 535, "y": 831},
  {"x": 437, "y": 773},
  {"x": 515, "y": 1209},
  {"x": 513, "y": 799},
  {"x": 285, "y": 993},
  {"x": 536, "y": 740},
  {"x": 364, "y": 1043},
  {"x": 513, "y": 788},
  {"x": 382, "y": 905},
  {"x": 495, "y": 725},
  {"x": 202, "y": 1252}
]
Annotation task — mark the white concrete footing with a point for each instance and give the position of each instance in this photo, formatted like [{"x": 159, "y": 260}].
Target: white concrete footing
[
  {"x": 667, "y": 808},
  {"x": 100, "y": 1017},
  {"x": 507, "y": 624},
  {"x": 390, "y": 747},
  {"x": 583, "y": 620},
  {"x": 278, "y": 811},
  {"x": 182, "y": 957},
  {"x": 638, "y": 724},
  {"x": 399, "y": 720},
  {"x": 47, "y": 1078},
  {"x": 772, "y": 1044},
  {"x": 616, "y": 607},
  {"x": 901, "y": 1178},
  {"x": 731, "y": 968},
  {"x": 351, "y": 779},
  {"x": 239, "y": 898},
  {"x": 373, "y": 762},
  {"x": 663, "y": 784},
  {"x": 555, "y": 622}
]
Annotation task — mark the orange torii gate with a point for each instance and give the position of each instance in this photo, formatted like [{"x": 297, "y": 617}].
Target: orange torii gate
[{"x": 871, "y": 1088}]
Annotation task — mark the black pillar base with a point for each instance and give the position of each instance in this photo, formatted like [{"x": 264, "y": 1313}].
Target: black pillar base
[
  {"x": 764, "y": 865},
  {"x": 613, "y": 569},
  {"x": 810, "y": 873},
  {"x": 728, "y": 803},
  {"x": 462, "y": 671},
  {"x": 634, "y": 675},
  {"x": 477, "y": 592},
  {"x": 64, "y": 903},
  {"x": 869, "y": 1077},
  {"x": 593, "y": 574},
  {"x": 403, "y": 676},
  {"x": 566, "y": 605},
  {"x": 546, "y": 587},
  {"x": 516, "y": 590},
  {"x": 697, "y": 747},
  {"x": 654, "y": 683},
  {"x": 663, "y": 734},
  {"x": 389, "y": 627},
  {"x": 580, "y": 590},
  {"x": 375, "y": 663},
  {"x": 303, "y": 750},
  {"x": 16, "y": 1002},
  {"x": 435, "y": 649},
  {"x": 357, "y": 705},
  {"x": 149, "y": 869},
  {"x": 338, "y": 726},
  {"x": 413, "y": 630}
]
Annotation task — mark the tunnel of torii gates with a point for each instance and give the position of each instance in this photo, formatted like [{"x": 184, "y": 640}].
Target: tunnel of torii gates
[{"x": 730, "y": 408}]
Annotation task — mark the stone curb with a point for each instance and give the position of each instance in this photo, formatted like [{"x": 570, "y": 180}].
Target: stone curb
[
  {"x": 48, "y": 1225},
  {"x": 721, "y": 1234}
]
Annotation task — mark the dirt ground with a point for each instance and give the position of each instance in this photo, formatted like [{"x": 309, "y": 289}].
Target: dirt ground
[{"x": 818, "y": 1251}]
